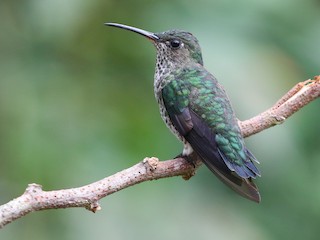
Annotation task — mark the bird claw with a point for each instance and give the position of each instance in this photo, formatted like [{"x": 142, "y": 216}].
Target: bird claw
[{"x": 188, "y": 158}]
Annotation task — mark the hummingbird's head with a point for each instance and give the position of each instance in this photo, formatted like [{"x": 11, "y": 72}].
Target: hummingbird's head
[{"x": 176, "y": 47}]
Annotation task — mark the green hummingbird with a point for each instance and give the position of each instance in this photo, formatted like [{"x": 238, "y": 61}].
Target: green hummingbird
[{"x": 197, "y": 110}]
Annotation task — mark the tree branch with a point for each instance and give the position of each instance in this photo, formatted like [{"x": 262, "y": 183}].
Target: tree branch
[
  {"x": 35, "y": 199},
  {"x": 299, "y": 96}
]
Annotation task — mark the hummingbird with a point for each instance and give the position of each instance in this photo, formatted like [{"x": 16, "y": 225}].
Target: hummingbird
[{"x": 197, "y": 110}]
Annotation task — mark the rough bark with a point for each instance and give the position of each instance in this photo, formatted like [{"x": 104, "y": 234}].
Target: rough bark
[{"x": 35, "y": 199}]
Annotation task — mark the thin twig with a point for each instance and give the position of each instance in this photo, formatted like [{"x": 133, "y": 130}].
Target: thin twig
[
  {"x": 299, "y": 96},
  {"x": 35, "y": 199}
]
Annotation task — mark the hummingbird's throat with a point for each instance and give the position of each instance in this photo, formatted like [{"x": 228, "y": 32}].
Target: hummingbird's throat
[{"x": 163, "y": 63}]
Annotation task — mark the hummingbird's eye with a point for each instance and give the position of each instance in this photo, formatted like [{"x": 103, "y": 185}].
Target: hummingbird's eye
[{"x": 175, "y": 43}]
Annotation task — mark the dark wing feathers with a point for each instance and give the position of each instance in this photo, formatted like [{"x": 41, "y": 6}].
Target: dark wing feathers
[
  {"x": 202, "y": 140},
  {"x": 182, "y": 122},
  {"x": 249, "y": 170}
]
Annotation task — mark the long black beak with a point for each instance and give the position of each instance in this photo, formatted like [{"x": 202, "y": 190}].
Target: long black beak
[{"x": 147, "y": 34}]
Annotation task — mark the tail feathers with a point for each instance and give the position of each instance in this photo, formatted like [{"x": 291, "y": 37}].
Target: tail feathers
[
  {"x": 231, "y": 176},
  {"x": 203, "y": 141},
  {"x": 251, "y": 156},
  {"x": 243, "y": 186},
  {"x": 239, "y": 178}
]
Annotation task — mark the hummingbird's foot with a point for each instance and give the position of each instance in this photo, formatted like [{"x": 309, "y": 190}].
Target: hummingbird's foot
[
  {"x": 192, "y": 161},
  {"x": 188, "y": 158}
]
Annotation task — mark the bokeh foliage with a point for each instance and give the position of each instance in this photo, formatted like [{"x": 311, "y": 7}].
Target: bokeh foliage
[{"x": 77, "y": 104}]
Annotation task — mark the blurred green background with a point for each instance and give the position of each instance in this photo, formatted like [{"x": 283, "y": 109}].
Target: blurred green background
[{"x": 77, "y": 105}]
